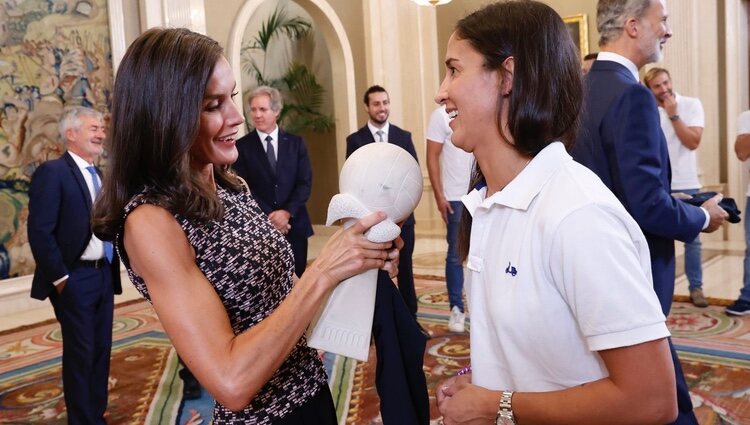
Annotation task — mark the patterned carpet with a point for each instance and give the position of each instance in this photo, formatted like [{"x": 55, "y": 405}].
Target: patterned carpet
[
  {"x": 145, "y": 388},
  {"x": 30, "y": 385},
  {"x": 144, "y": 384}
]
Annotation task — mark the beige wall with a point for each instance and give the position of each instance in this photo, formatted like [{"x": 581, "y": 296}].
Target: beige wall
[
  {"x": 447, "y": 16},
  {"x": 352, "y": 17},
  {"x": 132, "y": 21},
  {"x": 575, "y": 7},
  {"x": 219, "y": 19}
]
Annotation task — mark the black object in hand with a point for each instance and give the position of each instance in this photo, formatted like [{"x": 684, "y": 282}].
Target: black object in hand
[{"x": 727, "y": 204}]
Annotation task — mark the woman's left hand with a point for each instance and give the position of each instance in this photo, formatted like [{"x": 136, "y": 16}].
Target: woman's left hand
[
  {"x": 463, "y": 403},
  {"x": 348, "y": 252},
  {"x": 391, "y": 264}
]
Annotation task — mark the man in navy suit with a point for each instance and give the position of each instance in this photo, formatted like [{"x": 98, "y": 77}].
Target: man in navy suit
[
  {"x": 621, "y": 141},
  {"x": 74, "y": 269},
  {"x": 399, "y": 340},
  {"x": 276, "y": 167},
  {"x": 378, "y": 129}
]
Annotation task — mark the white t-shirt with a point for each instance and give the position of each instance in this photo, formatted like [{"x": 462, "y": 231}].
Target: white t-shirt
[
  {"x": 455, "y": 163},
  {"x": 683, "y": 160},
  {"x": 559, "y": 271},
  {"x": 743, "y": 127}
]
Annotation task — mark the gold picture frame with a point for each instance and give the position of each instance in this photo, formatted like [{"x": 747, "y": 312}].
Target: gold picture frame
[{"x": 578, "y": 28}]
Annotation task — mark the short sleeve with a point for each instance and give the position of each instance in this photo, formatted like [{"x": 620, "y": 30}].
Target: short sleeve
[
  {"x": 599, "y": 261},
  {"x": 438, "y": 129},
  {"x": 696, "y": 117},
  {"x": 743, "y": 123}
]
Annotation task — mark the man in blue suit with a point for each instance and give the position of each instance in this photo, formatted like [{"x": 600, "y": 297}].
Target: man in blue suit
[
  {"x": 74, "y": 269},
  {"x": 621, "y": 141},
  {"x": 378, "y": 129},
  {"x": 276, "y": 167}
]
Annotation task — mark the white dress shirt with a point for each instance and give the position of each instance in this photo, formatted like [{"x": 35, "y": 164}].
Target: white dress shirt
[
  {"x": 274, "y": 142},
  {"x": 374, "y": 130},
  {"x": 95, "y": 249}
]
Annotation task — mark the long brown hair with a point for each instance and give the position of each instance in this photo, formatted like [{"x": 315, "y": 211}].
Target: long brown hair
[
  {"x": 547, "y": 93},
  {"x": 157, "y": 101}
]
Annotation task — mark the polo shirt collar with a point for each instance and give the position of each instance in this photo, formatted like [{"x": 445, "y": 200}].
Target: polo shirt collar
[{"x": 521, "y": 191}]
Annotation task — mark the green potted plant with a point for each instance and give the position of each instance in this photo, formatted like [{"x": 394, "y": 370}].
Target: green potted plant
[{"x": 303, "y": 95}]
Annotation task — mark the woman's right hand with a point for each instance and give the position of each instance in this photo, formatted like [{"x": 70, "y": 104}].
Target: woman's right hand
[
  {"x": 463, "y": 403},
  {"x": 443, "y": 389},
  {"x": 348, "y": 252}
]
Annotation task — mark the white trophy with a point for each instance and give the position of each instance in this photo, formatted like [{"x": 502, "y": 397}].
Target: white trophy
[{"x": 376, "y": 177}]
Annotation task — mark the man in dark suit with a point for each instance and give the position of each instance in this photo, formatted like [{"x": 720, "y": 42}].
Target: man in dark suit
[
  {"x": 399, "y": 340},
  {"x": 378, "y": 129},
  {"x": 621, "y": 141},
  {"x": 74, "y": 269},
  {"x": 276, "y": 167}
]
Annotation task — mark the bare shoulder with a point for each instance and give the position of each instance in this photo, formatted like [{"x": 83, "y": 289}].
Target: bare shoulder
[
  {"x": 146, "y": 219},
  {"x": 154, "y": 240}
]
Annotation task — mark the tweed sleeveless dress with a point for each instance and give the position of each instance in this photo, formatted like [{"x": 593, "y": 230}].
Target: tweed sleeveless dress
[{"x": 250, "y": 265}]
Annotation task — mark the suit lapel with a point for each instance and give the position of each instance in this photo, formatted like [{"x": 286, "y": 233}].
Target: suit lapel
[
  {"x": 79, "y": 179},
  {"x": 394, "y": 136},
  {"x": 367, "y": 136},
  {"x": 284, "y": 154}
]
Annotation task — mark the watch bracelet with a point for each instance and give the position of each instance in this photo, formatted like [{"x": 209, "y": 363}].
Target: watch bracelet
[{"x": 505, "y": 409}]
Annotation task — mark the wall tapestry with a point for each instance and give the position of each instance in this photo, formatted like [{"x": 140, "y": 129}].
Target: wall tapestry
[{"x": 53, "y": 53}]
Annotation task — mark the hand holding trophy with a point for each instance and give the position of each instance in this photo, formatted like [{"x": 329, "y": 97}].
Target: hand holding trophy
[{"x": 376, "y": 177}]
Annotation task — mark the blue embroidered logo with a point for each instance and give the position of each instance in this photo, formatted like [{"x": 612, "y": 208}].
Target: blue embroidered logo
[{"x": 511, "y": 270}]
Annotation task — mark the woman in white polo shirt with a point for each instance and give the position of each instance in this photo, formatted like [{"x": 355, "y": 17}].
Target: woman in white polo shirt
[{"x": 565, "y": 325}]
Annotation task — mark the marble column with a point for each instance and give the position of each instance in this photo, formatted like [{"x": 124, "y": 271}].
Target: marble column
[{"x": 173, "y": 13}]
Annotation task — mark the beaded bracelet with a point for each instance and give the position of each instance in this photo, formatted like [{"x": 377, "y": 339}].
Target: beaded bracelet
[{"x": 464, "y": 371}]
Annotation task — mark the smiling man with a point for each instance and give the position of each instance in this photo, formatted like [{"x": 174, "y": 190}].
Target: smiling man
[
  {"x": 74, "y": 269},
  {"x": 682, "y": 121},
  {"x": 276, "y": 166},
  {"x": 380, "y": 130},
  {"x": 399, "y": 340},
  {"x": 621, "y": 141}
]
